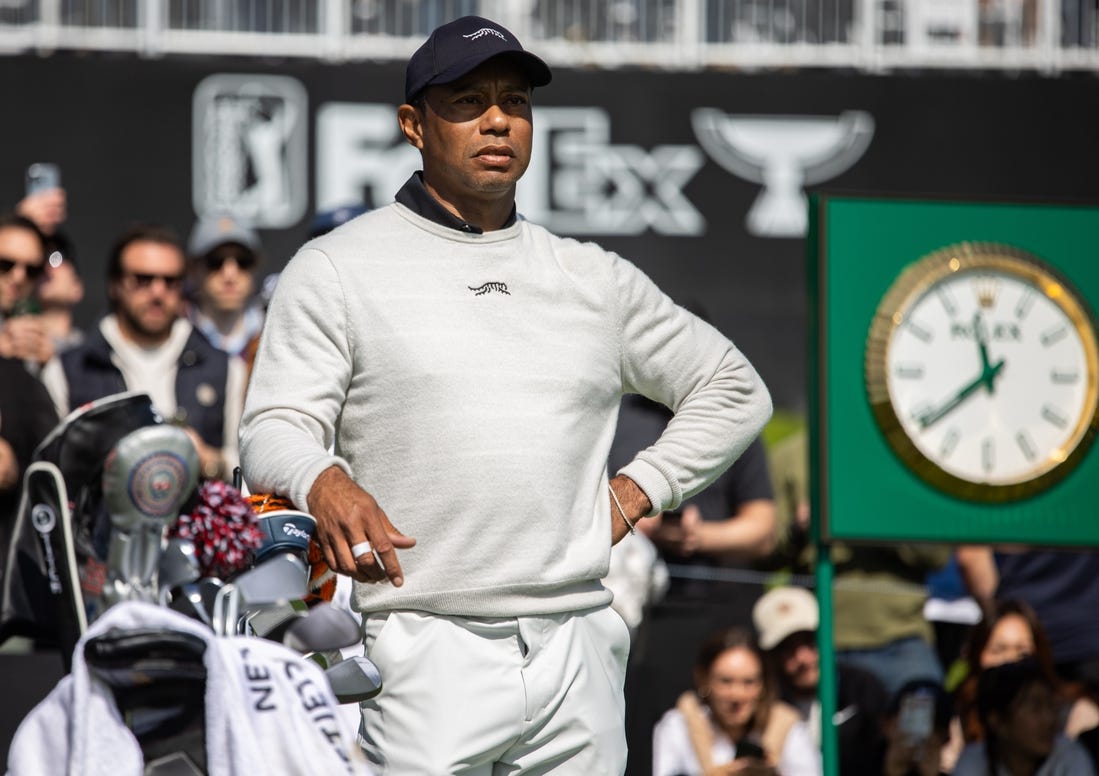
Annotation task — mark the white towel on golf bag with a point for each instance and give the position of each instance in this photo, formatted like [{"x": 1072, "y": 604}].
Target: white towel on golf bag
[{"x": 268, "y": 710}]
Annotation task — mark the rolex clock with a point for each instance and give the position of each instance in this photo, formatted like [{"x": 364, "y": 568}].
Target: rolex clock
[{"x": 981, "y": 371}]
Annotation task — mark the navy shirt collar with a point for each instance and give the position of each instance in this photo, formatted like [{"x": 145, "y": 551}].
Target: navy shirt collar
[{"x": 415, "y": 196}]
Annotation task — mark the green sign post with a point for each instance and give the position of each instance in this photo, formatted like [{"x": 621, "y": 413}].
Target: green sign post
[{"x": 954, "y": 379}]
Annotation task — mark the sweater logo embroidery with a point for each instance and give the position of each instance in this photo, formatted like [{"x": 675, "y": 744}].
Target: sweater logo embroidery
[{"x": 487, "y": 288}]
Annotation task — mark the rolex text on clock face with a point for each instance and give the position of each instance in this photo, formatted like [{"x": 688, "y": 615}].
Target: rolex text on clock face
[{"x": 984, "y": 373}]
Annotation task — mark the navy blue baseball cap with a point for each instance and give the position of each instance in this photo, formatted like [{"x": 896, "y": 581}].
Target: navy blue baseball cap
[{"x": 458, "y": 47}]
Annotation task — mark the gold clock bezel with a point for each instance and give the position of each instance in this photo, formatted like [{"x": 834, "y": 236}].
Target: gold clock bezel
[{"x": 913, "y": 282}]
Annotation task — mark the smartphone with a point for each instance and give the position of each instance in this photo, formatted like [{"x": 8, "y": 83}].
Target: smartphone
[
  {"x": 43, "y": 176},
  {"x": 916, "y": 717},
  {"x": 748, "y": 748}
]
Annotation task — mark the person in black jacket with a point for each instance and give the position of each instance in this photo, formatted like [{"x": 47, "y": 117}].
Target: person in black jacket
[
  {"x": 147, "y": 344},
  {"x": 786, "y": 619},
  {"x": 26, "y": 417}
]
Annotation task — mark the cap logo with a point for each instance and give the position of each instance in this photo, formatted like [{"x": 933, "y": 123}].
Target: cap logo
[{"x": 485, "y": 31}]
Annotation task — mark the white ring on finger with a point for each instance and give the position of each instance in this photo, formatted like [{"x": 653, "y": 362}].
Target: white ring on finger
[{"x": 360, "y": 549}]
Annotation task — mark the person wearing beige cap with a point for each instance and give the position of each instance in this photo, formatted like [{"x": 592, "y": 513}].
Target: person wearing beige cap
[{"x": 786, "y": 619}]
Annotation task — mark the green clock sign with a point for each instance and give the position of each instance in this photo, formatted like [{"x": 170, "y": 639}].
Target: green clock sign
[{"x": 956, "y": 370}]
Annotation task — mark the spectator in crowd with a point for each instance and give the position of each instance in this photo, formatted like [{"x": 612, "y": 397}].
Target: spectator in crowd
[
  {"x": 1018, "y": 708},
  {"x": 879, "y": 598},
  {"x": 732, "y": 714},
  {"x": 466, "y": 367},
  {"x": 327, "y": 220},
  {"x": 61, "y": 289},
  {"x": 915, "y": 728},
  {"x": 145, "y": 344},
  {"x": 1058, "y": 585},
  {"x": 1012, "y": 632},
  {"x": 224, "y": 254},
  {"x": 786, "y": 619},
  {"x": 22, "y": 263},
  {"x": 60, "y": 292},
  {"x": 26, "y": 416}
]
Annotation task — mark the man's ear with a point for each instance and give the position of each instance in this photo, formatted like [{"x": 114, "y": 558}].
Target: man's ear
[{"x": 411, "y": 120}]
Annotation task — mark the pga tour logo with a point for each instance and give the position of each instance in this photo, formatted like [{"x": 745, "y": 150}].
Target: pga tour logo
[{"x": 249, "y": 148}]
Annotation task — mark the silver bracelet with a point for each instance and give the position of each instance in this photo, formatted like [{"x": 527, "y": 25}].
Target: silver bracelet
[{"x": 621, "y": 511}]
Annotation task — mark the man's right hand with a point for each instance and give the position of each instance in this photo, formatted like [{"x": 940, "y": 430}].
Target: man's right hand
[{"x": 347, "y": 515}]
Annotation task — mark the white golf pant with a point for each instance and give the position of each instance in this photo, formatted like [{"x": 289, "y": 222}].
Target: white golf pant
[{"x": 495, "y": 696}]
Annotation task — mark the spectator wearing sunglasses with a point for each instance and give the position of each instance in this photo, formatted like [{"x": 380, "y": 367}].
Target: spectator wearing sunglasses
[
  {"x": 22, "y": 263},
  {"x": 223, "y": 255},
  {"x": 146, "y": 344}
]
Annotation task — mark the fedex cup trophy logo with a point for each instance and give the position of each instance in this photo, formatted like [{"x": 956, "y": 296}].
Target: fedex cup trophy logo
[{"x": 785, "y": 154}]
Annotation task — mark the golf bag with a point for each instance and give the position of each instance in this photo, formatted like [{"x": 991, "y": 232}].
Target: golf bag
[{"x": 56, "y": 562}]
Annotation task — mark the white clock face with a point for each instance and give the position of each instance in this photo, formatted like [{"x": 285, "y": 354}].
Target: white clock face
[{"x": 989, "y": 366}]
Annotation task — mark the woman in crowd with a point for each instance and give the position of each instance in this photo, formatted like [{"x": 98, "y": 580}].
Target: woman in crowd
[
  {"x": 1018, "y": 708},
  {"x": 732, "y": 723},
  {"x": 1009, "y": 634}
]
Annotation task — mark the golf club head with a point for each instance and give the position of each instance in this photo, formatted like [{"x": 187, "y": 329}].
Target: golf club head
[
  {"x": 281, "y": 577},
  {"x": 354, "y": 680},
  {"x": 272, "y": 621},
  {"x": 178, "y": 564},
  {"x": 324, "y": 629},
  {"x": 196, "y": 599}
]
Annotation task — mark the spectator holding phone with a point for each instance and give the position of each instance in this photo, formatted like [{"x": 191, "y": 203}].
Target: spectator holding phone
[
  {"x": 733, "y": 722},
  {"x": 915, "y": 727},
  {"x": 61, "y": 289}
]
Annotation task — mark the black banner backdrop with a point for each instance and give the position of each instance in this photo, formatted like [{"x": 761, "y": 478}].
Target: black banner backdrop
[{"x": 662, "y": 167}]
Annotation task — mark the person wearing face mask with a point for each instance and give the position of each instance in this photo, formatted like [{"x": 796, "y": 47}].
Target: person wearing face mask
[
  {"x": 1009, "y": 633},
  {"x": 732, "y": 722}
]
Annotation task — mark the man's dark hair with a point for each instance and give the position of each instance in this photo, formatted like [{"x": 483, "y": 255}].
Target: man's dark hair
[
  {"x": 11, "y": 220},
  {"x": 154, "y": 233}
]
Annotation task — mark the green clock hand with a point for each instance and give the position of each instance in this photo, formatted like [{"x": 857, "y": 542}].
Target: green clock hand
[
  {"x": 986, "y": 377},
  {"x": 987, "y": 374}
]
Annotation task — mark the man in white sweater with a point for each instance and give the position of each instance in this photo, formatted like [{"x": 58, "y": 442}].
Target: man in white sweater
[{"x": 438, "y": 384}]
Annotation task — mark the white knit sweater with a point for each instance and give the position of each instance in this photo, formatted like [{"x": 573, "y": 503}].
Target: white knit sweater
[{"x": 471, "y": 384}]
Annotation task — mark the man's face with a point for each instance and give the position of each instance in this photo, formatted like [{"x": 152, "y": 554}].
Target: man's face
[
  {"x": 148, "y": 296},
  {"x": 21, "y": 265},
  {"x": 800, "y": 661},
  {"x": 475, "y": 134},
  {"x": 226, "y": 279}
]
